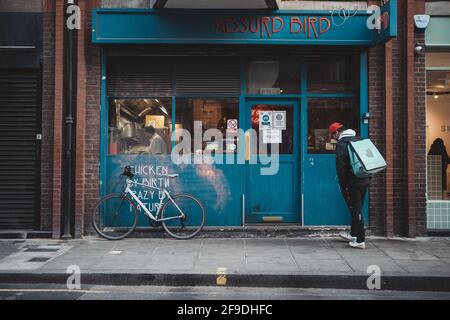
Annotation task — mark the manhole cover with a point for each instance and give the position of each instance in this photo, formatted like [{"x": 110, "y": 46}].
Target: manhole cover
[{"x": 39, "y": 259}]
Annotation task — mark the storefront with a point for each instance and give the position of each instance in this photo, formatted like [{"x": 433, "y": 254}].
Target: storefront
[
  {"x": 285, "y": 74},
  {"x": 438, "y": 125}
]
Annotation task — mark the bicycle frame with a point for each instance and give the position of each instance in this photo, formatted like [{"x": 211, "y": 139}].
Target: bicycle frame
[{"x": 147, "y": 212}]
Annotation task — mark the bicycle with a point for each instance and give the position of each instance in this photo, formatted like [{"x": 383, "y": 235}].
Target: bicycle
[{"x": 182, "y": 216}]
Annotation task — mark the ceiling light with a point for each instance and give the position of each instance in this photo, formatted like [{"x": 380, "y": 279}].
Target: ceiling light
[{"x": 164, "y": 110}]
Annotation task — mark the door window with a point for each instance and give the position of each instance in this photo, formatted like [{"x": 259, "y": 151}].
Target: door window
[{"x": 273, "y": 124}]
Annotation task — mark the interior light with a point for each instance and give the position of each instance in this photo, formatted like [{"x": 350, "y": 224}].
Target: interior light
[
  {"x": 436, "y": 96},
  {"x": 164, "y": 110}
]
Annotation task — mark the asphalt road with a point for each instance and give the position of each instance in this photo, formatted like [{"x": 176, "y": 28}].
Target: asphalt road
[{"x": 58, "y": 292}]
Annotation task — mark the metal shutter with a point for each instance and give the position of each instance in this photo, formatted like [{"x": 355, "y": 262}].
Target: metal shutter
[
  {"x": 19, "y": 156},
  {"x": 208, "y": 76},
  {"x": 139, "y": 77}
]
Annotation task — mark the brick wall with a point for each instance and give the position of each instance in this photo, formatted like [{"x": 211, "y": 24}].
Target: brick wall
[
  {"x": 92, "y": 128},
  {"x": 48, "y": 83},
  {"x": 376, "y": 130}
]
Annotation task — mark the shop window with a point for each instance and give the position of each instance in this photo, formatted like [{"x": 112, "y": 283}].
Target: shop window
[
  {"x": 323, "y": 112},
  {"x": 438, "y": 60},
  {"x": 438, "y": 143},
  {"x": 333, "y": 75},
  {"x": 140, "y": 126},
  {"x": 273, "y": 77},
  {"x": 283, "y": 137},
  {"x": 220, "y": 114}
]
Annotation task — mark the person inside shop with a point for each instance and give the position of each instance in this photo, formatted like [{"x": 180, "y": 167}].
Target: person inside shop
[
  {"x": 353, "y": 188},
  {"x": 438, "y": 149},
  {"x": 157, "y": 144}
]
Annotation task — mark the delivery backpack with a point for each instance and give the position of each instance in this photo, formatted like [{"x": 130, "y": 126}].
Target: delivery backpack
[{"x": 365, "y": 159}]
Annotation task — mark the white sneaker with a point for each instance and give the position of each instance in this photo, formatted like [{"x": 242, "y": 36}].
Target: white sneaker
[
  {"x": 347, "y": 237},
  {"x": 357, "y": 245}
]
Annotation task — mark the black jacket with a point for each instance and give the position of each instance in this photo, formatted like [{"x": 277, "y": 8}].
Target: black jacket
[{"x": 346, "y": 177}]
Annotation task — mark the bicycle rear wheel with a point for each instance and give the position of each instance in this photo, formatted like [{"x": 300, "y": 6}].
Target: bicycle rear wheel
[
  {"x": 115, "y": 217},
  {"x": 193, "y": 221}
]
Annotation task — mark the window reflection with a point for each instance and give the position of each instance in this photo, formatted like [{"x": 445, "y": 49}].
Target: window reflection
[
  {"x": 273, "y": 77},
  {"x": 333, "y": 75},
  {"x": 323, "y": 112},
  {"x": 284, "y": 136},
  {"x": 219, "y": 114},
  {"x": 140, "y": 126}
]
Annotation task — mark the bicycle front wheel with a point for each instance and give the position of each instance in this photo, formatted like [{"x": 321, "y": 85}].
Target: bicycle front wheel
[
  {"x": 184, "y": 216},
  {"x": 115, "y": 217}
]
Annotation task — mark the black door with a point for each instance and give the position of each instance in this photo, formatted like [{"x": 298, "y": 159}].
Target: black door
[{"x": 19, "y": 148}]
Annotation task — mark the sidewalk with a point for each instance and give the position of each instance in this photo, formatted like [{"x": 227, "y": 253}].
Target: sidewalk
[{"x": 405, "y": 264}]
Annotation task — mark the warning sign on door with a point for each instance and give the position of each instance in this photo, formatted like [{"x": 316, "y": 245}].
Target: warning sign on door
[
  {"x": 265, "y": 120},
  {"x": 279, "y": 120},
  {"x": 232, "y": 124}
]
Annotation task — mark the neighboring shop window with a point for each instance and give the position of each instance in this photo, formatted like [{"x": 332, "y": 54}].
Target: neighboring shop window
[
  {"x": 438, "y": 140},
  {"x": 273, "y": 77},
  {"x": 140, "y": 126},
  {"x": 323, "y": 112},
  {"x": 333, "y": 75},
  {"x": 220, "y": 114},
  {"x": 283, "y": 136}
]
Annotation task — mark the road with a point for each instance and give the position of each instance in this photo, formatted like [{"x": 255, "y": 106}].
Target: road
[{"x": 58, "y": 292}]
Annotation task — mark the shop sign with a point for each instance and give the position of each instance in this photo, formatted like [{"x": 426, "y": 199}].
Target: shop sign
[
  {"x": 383, "y": 20},
  {"x": 331, "y": 27}
]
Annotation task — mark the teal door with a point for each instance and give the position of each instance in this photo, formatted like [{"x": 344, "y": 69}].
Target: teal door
[{"x": 272, "y": 184}]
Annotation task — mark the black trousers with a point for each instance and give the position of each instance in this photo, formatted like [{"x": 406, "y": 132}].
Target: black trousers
[{"x": 355, "y": 201}]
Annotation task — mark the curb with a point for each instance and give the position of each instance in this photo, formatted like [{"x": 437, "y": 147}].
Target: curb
[{"x": 388, "y": 282}]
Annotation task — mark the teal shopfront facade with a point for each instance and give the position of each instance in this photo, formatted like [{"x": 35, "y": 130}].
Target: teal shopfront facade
[{"x": 229, "y": 69}]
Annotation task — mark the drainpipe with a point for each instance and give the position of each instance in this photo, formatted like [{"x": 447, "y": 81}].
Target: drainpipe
[{"x": 69, "y": 125}]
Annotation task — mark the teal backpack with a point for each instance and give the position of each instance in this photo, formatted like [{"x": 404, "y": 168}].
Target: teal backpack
[{"x": 365, "y": 159}]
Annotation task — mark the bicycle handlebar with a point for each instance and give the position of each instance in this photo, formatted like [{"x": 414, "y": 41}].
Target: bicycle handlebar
[{"x": 127, "y": 172}]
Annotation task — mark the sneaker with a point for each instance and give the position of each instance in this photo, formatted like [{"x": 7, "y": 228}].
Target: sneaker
[
  {"x": 357, "y": 245},
  {"x": 347, "y": 237}
]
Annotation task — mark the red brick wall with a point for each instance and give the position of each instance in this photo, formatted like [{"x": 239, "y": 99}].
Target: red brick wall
[
  {"x": 392, "y": 193},
  {"x": 420, "y": 133},
  {"x": 92, "y": 128},
  {"x": 48, "y": 83},
  {"x": 58, "y": 118},
  {"x": 376, "y": 130}
]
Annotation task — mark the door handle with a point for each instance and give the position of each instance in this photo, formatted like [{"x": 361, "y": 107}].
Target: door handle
[{"x": 247, "y": 146}]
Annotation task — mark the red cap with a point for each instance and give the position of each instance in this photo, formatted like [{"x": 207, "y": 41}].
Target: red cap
[{"x": 334, "y": 127}]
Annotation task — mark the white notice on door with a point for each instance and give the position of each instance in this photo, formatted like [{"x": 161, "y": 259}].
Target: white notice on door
[
  {"x": 272, "y": 136},
  {"x": 279, "y": 120}
]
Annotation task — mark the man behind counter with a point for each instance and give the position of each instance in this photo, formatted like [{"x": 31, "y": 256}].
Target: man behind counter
[{"x": 157, "y": 143}]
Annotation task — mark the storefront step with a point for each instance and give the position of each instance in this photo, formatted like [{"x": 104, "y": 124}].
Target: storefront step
[{"x": 251, "y": 231}]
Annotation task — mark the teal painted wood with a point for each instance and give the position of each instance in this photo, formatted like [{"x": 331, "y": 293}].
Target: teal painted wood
[
  {"x": 323, "y": 201},
  {"x": 234, "y": 27},
  {"x": 388, "y": 22},
  {"x": 218, "y": 187},
  {"x": 277, "y": 194}
]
